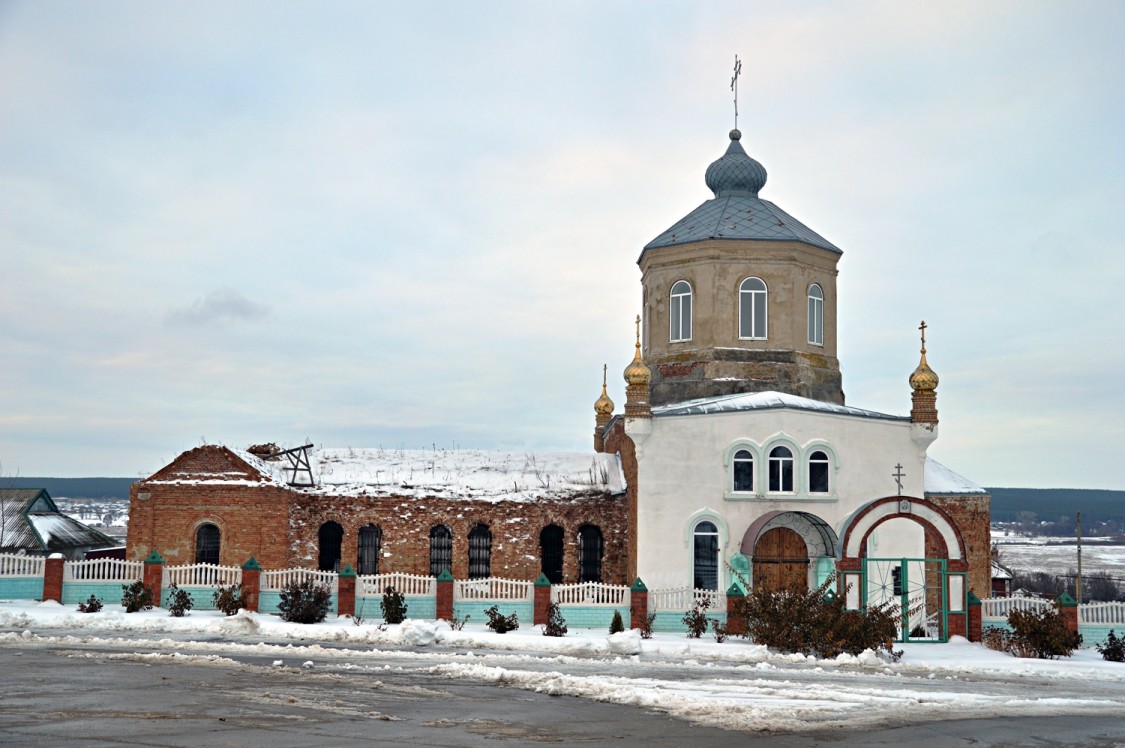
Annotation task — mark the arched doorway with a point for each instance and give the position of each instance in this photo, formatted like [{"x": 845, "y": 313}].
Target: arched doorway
[
  {"x": 551, "y": 553},
  {"x": 329, "y": 538},
  {"x": 781, "y": 560}
]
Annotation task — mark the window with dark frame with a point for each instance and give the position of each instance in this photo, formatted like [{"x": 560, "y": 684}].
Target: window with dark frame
[
  {"x": 370, "y": 545},
  {"x": 706, "y": 556},
  {"x": 590, "y": 549},
  {"x": 329, "y": 538},
  {"x": 818, "y": 472},
  {"x": 551, "y": 553},
  {"x": 743, "y": 471},
  {"x": 781, "y": 470},
  {"x": 480, "y": 552},
  {"x": 441, "y": 550},
  {"x": 207, "y": 541}
]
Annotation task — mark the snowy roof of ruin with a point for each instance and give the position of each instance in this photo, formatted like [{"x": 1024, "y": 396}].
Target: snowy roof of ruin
[
  {"x": 941, "y": 480},
  {"x": 447, "y": 473},
  {"x": 742, "y": 401}
]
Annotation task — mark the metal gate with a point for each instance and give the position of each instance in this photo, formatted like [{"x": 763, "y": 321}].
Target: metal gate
[{"x": 915, "y": 591}]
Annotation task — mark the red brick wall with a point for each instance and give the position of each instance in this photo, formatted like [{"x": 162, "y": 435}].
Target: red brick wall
[
  {"x": 972, "y": 515},
  {"x": 618, "y": 443}
]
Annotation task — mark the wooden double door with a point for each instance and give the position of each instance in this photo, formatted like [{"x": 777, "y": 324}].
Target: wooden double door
[{"x": 781, "y": 560}]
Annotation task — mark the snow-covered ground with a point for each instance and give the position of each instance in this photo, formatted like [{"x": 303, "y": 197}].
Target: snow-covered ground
[
  {"x": 735, "y": 685},
  {"x": 1057, "y": 555}
]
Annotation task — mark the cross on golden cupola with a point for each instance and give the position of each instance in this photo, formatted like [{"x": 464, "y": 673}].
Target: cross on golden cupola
[
  {"x": 637, "y": 379},
  {"x": 924, "y": 382}
]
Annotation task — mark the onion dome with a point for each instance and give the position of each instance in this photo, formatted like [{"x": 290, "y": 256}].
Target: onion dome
[
  {"x": 735, "y": 173},
  {"x": 603, "y": 406},
  {"x": 636, "y": 372},
  {"x": 924, "y": 378}
]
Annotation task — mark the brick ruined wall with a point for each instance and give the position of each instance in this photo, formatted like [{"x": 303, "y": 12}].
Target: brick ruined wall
[
  {"x": 617, "y": 442},
  {"x": 972, "y": 515},
  {"x": 515, "y": 526}
]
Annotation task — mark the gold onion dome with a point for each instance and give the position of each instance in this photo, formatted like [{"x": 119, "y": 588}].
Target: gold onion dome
[
  {"x": 603, "y": 406},
  {"x": 636, "y": 372},
  {"x": 923, "y": 378}
]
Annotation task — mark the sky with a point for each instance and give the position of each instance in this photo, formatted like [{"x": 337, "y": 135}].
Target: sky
[{"x": 417, "y": 224}]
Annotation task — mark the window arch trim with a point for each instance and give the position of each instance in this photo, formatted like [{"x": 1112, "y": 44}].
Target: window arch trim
[
  {"x": 756, "y": 316},
  {"x": 680, "y": 311},
  {"x": 816, "y": 315},
  {"x": 783, "y": 440}
]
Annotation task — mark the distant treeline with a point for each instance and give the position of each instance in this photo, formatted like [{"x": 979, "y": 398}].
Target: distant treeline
[
  {"x": 74, "y": 488},
  {"x": 1058, "y": 506}
]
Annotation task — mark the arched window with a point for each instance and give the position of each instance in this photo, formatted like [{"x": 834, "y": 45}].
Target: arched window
[
  {"x": 480, "y": 552},
  {"x": 551, "y": 553},
  {"x": 207, "y": 544},
  {"x": 743, "y": 471},
  {"x": 816, "y": 315},
  {"x": 441, "y": 550},
  {"x": 781, "y": 470},
  {"x": 818, "y": 472},
  {"x": 706, "y": 556},
  {"x": 752, "y": 309},
  {"x": 679, "y": 312},
  {"x": 370, "y": 544},
  {"x": 329, "y": 537},
  {"x": 589, "y": 554}
]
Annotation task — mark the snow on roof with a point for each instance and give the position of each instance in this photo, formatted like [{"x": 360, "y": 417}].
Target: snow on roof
[
  {"x": 32, "y": 522},
  {"x": 940, "y": 479},
  {"x": 763, "y": 401},
  {"x": 465, "y": 473},
  {"x": 999, "y": 571}
]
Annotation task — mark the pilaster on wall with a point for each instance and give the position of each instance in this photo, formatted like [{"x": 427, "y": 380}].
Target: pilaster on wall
[
  {"x": 542, "y": 599},
  {"x": 251, "y": 584},
  {"x": 345, "y": 592},
  {"x": 153, "y": 577},
  {"x": 53, "y": 577},
  {"x": 445, "y": 596},
  {"x": 638, "y": 605}
]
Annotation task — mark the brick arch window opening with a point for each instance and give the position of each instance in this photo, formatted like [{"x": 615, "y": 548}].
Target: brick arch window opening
[
  {"x": 369, "y": 547},
  {"x": 752, "y": 309},
  {"x": 706, "y": 556},
  {"x": 480, "y": 552},
  {"x": 590, "y": 550},
  {"x": 207, "y": 543},
  {"x": 679, "y": 312},
  {"x": 329, "y": 537},
  {"x": 816, "y": 314},
  {"x": 441, "y": 550},
  {"x": 742, "y": 472},
  {"x": 818, "y": 472},
  {"x": 551, "y": 553},
  {"x": 781, "y": 470}
]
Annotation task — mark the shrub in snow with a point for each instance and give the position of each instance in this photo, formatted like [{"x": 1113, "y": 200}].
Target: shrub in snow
[
  {"x": 229, "y": 599},
  {"x": 1112, "y": 649},
  {"x": 719, "y": 630},
  {"x": 393, "y": 606},
  {"x": 179, "y": 601},
  {"x": 1035, "y": 633},
  {"x": 812, "y": 622},
  {"x": 305, "y": 602},
  {"x": 458, "y": 622},
  {"x": 136, "y": 597},
  {"x": 556, "y": 625},
  {"x": 696, "y": 619},
  {"x": 500, "y": 623},
  {"x": 93, "y": 605},
  {"x": 616, "y": 625},
  {"x": 646, "y": 627}
]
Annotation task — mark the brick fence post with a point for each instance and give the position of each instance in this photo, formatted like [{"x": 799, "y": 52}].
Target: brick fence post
[
  {"x": 976, "y": 623},
  {"x": 445, "y": 596},
  {"x": 542, "y": 599},
  {"x": 638, "y": 604},
  {"x": 251, "y": 584},
  {"x": 153, "y": 578},
  {"x": 1069, "y": 610},
  {"x": 736, "y": 622},
  {"x": 345, "y": 596},
  {"x": 53, "y": 577}
]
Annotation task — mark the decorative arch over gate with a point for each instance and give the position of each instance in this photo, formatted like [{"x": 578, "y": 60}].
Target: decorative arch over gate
[{"x": 859, "y": 526}]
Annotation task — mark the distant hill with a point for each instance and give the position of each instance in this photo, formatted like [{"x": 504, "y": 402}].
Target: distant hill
[
  {"x": 1058, "y": 504},
  {"x": 74, "y": 488}
]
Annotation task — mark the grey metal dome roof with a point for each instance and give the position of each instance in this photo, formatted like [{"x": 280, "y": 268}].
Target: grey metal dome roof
[{"x": 736, "y": 211}]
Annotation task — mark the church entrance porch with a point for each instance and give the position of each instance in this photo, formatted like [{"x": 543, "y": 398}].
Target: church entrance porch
[
  {"x": 786, "y": 549},
  {"x": 781, "y": 560}
]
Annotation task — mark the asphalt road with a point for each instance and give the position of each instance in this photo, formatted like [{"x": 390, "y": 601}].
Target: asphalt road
[{"x": 104, "y": 694}]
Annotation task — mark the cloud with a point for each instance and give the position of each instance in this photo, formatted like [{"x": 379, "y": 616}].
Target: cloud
[{"x": 216, "y": 308}]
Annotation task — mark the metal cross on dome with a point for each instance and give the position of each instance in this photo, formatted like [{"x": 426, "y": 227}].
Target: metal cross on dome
[{"x": 734, "y": 87}]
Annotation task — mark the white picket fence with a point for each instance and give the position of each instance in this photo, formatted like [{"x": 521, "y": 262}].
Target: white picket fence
[
  {"x": 685, "y": 598},
  {"x": 590, "y": 593},
  {"x": 1000, "y": 607},
  {"x": 493, "y": 588},
  {"x": 373, "y": 585},
  {"x": 1102, "y": 614},
  {"x": 17, "y": 565},
  {"x": 202, "y": 575},
  {"x": 275, "y": 581},
  {"x": 102, "y": 570}
]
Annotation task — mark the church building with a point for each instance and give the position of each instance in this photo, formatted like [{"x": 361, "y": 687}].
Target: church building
[{"x": 735, "y": 461}]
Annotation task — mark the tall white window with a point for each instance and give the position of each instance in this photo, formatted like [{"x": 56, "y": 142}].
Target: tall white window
[
  {"x": 706, "y": 556},
  {"x": 816, "y": 315},
  {"x": 679, "y": 312},
  {"x": 752, "y": 309},
  {"x": 818, "y": 472},
  {"x": 743, "y": 472},
  {"x": 781, "y": 470}
]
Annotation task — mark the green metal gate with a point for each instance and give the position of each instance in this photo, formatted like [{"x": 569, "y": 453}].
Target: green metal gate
[{"x": 916, "y": 591}]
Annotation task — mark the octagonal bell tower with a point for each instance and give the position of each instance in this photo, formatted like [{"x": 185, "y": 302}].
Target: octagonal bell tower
[{"x": 739, "y": 296}]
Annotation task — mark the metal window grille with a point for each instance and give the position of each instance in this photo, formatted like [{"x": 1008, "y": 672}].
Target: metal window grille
[
  {"x": 370, "y": 543},
  {"x": 207, "y": 541},
  {"x": 551, "y": 553},
  {"x": 441, "y": 550},
  {"x": 480, "y": 553},
  {"x": 330, "y": 536},
  {"x": 589, "y": 554}
]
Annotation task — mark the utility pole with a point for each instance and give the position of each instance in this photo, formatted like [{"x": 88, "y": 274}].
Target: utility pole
[{"x": 1078, "y": 581}]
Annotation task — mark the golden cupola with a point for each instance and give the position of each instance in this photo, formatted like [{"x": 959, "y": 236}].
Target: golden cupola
[
  {"x": 638, "y": 377},
  {"x": 603, "y": 412},
  {"x": 924, "y": 382}
]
